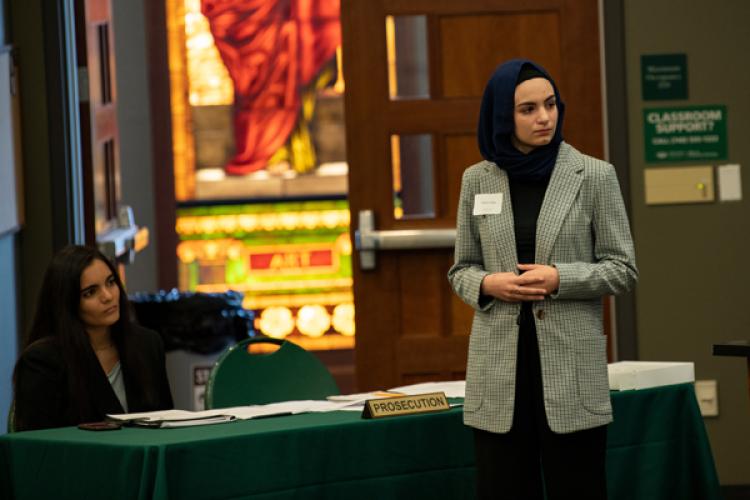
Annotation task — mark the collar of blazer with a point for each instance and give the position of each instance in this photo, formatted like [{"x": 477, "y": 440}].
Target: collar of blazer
[{"x": 562, "y": 191}]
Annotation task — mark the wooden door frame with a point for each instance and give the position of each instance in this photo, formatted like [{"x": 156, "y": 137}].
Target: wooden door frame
[
  {"x": 377, "y": 359},
  {"x": 357, "y": 18},
  {"x": 66, "y": 170},
  {"x": 165, "y": 203}
]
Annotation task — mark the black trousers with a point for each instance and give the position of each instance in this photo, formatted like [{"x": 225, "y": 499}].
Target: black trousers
[{"x": 531, "y": 459}]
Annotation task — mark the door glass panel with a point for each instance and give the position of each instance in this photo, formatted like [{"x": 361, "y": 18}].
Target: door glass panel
[
  {"x": 110, "y": 173},
  {"x": 413, "y": 182},
  {"x": 106, "y": 185},
  {"x": 105, "y": 76},
  {"x": 408, "y": 67}
]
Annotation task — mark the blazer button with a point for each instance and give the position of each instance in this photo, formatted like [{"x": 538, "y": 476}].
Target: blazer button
[{"x": 540, "y": 314}]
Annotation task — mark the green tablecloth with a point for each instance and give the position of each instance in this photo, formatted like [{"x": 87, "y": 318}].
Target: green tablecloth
[{"x": 657, "y": 449}]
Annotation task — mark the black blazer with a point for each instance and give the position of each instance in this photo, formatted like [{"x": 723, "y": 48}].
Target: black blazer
[{"x": 41, "y": 387}]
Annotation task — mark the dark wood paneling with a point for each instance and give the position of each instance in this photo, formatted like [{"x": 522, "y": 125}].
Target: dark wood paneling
[
  {"x": 461, "y": 316},
  {"x": 420, "y": 285},
  {"x": 341, "y": 365},
  {"x": 494, "y": 39},
  {"x": 453, "y": 116},
  {"x": 428, "y": 354},
  {"x": 580, "y": 79},
  {"x": 461, "y": 151}
]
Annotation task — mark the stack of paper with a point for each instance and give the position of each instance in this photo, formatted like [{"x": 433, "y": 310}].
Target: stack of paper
[
  {"x": 184, "y": 418},
  {"x": 452, "y": 388},
  {"x": 172, "y": 418},
  {"x": 626, "y": 375},
  {"x": 350, "y": 402},
  {"x": 364, "y": 396}
]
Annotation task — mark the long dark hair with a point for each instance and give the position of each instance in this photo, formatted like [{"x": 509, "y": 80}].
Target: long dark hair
[{"x": 57, "y": 320}]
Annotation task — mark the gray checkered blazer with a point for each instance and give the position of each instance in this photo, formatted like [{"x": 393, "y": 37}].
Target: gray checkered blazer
[{"x": 583, "y": 230}]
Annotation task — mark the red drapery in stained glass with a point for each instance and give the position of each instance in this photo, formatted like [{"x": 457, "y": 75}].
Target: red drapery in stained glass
[{"x": 271, "y": 48}]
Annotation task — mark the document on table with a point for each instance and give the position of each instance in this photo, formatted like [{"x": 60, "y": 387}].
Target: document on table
[
  {"x": 364, "y": 396},
  {"x": 285, "y": 408},
  {"x": 190, "y": 422},
  {"x": 452, "y": 388},
  {"x": 184, "y": 418},
  {"x": 173, "y": 418}
]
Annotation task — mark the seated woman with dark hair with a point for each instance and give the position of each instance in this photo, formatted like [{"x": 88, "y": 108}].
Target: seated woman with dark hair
[{"x": 84, "y": 358}]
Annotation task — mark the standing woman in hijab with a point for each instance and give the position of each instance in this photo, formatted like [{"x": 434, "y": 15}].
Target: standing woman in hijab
[
  {"x": 542, "y": 236},
  {"x": 84, "y": 358}
]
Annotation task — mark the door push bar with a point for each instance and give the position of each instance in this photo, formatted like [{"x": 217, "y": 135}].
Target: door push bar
[{"x": 368, "y": 240}]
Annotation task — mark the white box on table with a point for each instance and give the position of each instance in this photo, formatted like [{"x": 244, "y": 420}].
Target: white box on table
[{"x": 625, "y": 375}]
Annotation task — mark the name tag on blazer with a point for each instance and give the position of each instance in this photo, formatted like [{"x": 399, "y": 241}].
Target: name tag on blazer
[{"x": 487, "y": 204}]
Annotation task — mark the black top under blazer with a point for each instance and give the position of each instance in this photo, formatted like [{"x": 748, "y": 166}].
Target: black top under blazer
[{"x": 42, "y": 395}]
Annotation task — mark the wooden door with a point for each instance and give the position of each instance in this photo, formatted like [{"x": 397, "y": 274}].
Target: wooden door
[
  {"x": 98, "y": 112},
  {"x": 410, "y": 326}
]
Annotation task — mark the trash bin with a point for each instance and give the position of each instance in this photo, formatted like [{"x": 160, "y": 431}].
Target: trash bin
[{"x": 196, "y": 329}]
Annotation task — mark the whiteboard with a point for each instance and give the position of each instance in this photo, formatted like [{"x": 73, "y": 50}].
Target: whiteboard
[{"x": 11, "y": 192}]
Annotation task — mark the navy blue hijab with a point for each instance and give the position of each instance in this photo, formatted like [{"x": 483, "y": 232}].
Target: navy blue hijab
[{"x": 496, "y": 126}]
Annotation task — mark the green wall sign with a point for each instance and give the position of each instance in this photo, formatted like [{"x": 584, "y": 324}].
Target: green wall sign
[
  {"x": 685, "y": 134},
  {"x": 664, "y": 77}
]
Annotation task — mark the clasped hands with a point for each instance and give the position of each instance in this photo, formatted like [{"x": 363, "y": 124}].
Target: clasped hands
[{"x": 536, "y": 282}]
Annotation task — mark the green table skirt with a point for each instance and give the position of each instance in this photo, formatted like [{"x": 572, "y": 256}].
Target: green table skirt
[{"x": 657, "y": 448}]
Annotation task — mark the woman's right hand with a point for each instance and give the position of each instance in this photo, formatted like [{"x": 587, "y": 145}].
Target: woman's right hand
[{"x": 511, "y": 287}]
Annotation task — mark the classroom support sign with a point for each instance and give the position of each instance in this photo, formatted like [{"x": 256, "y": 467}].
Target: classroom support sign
[{"x": 685, "y": 134}]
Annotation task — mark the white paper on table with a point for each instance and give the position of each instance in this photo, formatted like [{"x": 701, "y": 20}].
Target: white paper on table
[
  {"x": 285, "y": 408},
  {"x": 452, "y": 388},
  {"x": 364, "y": 396},
  {"x": 239, "y": 412},
  {"x": 336, "y": 405},
  {"x": 360, "y": 408},
  {"x": 153, "y": 416},
  {"x": 173, "y": 424}
]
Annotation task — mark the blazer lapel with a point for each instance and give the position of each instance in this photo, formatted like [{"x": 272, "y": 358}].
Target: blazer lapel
[
  {"x": 562, "y": 191},
  {"x": 495, "y": 180},
  {"x": 105, "y": 399}
]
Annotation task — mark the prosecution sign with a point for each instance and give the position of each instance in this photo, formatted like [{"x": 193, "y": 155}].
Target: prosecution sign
[{"x": 685, "y": 134}]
